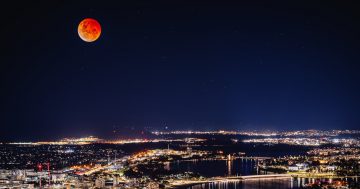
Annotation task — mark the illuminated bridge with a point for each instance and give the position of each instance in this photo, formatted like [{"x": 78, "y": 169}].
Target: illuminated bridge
[
  {"x": 254, "y": 158},
  {"x": 256, "y": 177},
  {"x": 231, "y": 178}
]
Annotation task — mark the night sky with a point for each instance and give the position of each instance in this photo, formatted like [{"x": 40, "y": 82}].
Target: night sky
[{"x": 202, "y": 65}]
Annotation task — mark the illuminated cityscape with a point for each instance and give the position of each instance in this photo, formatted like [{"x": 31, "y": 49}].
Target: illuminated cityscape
[
  {"x": 308, "y": 133},
  {"x": 91, "y": 162},
  {"x": 180, "y": 94}
]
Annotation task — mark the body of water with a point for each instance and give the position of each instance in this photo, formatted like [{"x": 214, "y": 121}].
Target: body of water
[
  {"x": 215, "y": 168},
  {"x": 290, "y": 183}
]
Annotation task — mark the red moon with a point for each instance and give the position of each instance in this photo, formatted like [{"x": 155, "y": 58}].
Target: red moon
[{"x": 89, "y": 30}]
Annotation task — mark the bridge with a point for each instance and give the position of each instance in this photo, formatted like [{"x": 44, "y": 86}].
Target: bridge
[
  {"x": 230, "y": 178},
  {"x": 257, "y": 177},
  {"x": 254, "y": 158}
]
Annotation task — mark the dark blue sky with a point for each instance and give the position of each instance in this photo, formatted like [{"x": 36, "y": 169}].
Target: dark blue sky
[{"x": 199, "y": 65}]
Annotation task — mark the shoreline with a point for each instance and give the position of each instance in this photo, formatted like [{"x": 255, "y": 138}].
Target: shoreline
[{"x": 188, "y": 183}]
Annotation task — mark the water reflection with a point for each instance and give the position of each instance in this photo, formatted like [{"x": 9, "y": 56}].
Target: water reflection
[
  {"x": 231, "y": 167},
  {"x": 249, "y": 184},
  {"x": 212, "y": 168},
  {"x": 288, "y": 183}
]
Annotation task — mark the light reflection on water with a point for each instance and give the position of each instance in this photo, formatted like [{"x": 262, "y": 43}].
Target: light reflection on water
[
  {"x": 288, "y": 183},
  {"x": 214, "y": 168},
  {"x": 249, "y": 184}
]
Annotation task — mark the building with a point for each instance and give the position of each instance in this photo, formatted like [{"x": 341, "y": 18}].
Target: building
[
  {"x": 100, "y": 183},
  {"x": 299, "y": 167}
]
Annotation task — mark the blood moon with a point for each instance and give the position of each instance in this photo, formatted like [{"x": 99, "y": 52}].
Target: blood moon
[{"x": 89, "y": 30}]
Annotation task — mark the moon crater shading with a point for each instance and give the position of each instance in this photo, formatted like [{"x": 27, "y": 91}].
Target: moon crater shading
[{"x": 89, "y": 30}]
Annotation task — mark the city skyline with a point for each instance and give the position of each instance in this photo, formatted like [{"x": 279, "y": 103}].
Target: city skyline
[
  {"x": 159, "y": 94},
  {"x": 178, "y": 65}
]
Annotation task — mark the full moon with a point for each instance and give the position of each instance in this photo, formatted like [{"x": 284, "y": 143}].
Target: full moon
[{"x": 89, "y": 30}]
